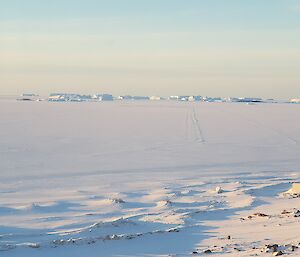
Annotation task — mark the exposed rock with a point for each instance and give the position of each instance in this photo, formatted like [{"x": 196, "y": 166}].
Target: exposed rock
[
  {"x": 259, "y": 214},
  {"x": 296, "y": 213},
  {"x": 34, "y": 245},
  {"x": 219, "y": 190},
  {"x": 117, "y": 200},
  {"x": 278, "y": 253},
  {"x": 271, "y": 248},
  {"x": 285, "y": 212},
  {"x": 293, "y": 248},
  {"x": 172, "y": 230}
]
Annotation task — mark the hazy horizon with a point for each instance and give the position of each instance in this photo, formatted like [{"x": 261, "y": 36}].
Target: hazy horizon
[
  {"x": 171, "y": 47},
  {"x": 165, "y": 97}
]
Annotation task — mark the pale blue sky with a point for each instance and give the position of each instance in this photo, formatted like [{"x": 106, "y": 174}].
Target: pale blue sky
[{"x": 153, "y": 47}]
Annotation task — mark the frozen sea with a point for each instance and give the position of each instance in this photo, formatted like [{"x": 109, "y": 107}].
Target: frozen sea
[{"x": 135, "y": 178}]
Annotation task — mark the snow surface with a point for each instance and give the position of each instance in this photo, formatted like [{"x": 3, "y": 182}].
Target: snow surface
[{"x": 137, "y": 178}]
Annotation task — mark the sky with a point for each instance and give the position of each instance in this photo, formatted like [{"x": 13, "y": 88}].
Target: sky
[{"x": 151, "y": 47}]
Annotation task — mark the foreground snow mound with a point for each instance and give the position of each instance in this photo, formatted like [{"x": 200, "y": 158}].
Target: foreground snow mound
[
  {"x": 169, "y": 209},
  {"x": 294, "y": 191}
]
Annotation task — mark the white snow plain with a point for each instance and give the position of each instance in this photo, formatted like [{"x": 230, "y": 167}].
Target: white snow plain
[{"x": 142, "y": 178}]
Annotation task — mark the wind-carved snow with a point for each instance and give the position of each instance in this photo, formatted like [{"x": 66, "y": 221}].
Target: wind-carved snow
[
  {"x": 155, "y": 212},
  {"x": 124, "y": 176}
]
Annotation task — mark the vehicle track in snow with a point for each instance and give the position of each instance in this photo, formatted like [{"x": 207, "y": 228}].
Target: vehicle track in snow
[
  {"x": 273, "y": 130},
  {"x": 199, "y": 137}
]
